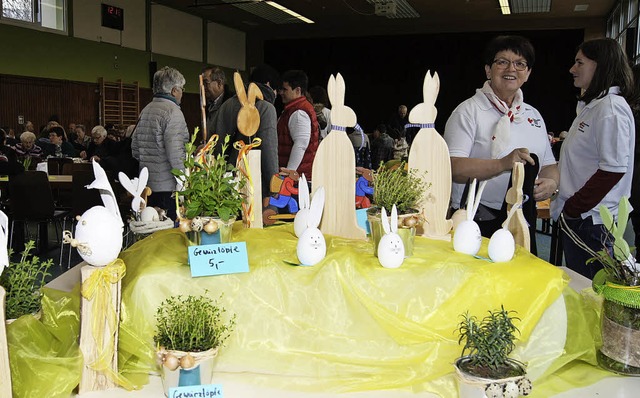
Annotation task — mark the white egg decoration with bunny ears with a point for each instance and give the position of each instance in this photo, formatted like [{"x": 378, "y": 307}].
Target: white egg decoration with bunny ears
[
  {"x": 136, "y": 187},
  {"x": 312, "y": 247},
  {"x": 502, "y": 245},
  {"x": 99, "y": 230},
  {"x": 390, "y": 247},
  {"x": 300, "y": 221},
  {"x": 4, "y": 232},
  {"x": 466, "y": 237}
]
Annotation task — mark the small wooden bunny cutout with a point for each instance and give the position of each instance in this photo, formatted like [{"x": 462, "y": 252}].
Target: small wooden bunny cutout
[
  {"x": 248, "y": 117},
  {"x": 517, "y": 224},
  {"x": 430, "y": 156},
  {"x": 333, "y": 168}
]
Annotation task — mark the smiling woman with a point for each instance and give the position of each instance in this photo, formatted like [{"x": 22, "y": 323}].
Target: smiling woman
[{"x": 491, "y": 131}]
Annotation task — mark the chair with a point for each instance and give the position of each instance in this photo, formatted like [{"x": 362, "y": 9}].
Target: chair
[
  {"x": 55, "y": 166},
  {"x": 31, "y": 200}
]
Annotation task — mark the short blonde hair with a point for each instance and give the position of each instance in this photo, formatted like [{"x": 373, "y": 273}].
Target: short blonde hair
[{"x": 27, "y": 136}]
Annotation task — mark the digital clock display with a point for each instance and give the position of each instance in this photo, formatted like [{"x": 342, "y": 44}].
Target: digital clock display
[{"x": 112, "y": 17}]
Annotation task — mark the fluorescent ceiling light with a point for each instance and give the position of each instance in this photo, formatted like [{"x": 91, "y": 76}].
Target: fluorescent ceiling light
[
  {"x": 269, "y": 10},
  {"x": 504, "y": 7},
  {"x": 581, "y": 7},
  {"x": 288, "y": 11},
  {"x": 530, "y": 6}
]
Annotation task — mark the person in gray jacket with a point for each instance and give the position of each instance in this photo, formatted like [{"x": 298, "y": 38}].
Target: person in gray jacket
[
  {"x": 159, "y": 139},
  {"x": 226, "y": 123}
]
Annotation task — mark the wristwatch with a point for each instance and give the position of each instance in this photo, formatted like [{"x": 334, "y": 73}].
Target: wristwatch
[{"x": 554, "y": 195}]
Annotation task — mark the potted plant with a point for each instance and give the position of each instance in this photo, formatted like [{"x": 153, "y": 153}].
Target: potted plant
[
  {"x": 394, "y": 183},
  {"x": 484, "y": 368},
  {"x": 189, "y": 332},
  {"x": 619, "y": 285},
  {"x": 22, "y": 281},
  {"x": 210, "y": 191}
]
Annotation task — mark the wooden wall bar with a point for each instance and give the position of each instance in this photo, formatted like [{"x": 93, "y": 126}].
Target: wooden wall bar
[{"x": 74, "y": 102}]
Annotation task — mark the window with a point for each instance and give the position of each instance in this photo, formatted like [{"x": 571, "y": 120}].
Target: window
[{"x": 44, "y": 13}]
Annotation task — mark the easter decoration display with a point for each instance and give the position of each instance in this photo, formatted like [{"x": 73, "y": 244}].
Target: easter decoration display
[
  {"x": 429, "y": 155},
  {"x": 98, "y": 239},
  {"x": 282, "y": 187},
  {"x": 398, "y": 186},
  {"x": 5, "y": 371},
  {"x": 514, "y": 198},
  {"x": 333, "y": 168},
  {"x": 248, "y": 162},
  {"x": 619, "y": 285},
  {"x": 312, "y": 247},
  {"x": 302, "y": 216},
  {"x": 390, "y": 248},
  {"x": 363, "y": 187},
  {"x": 466, "y": 236},
  {"x": 211, "y": 196},
  {"x": 485, "y": 368},
  {"x": 189, "y": 332},
  {"x": 147, "y": 219}
]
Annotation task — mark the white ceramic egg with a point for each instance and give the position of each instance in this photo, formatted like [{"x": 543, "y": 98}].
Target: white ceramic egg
[
  {"x": 511, "y": 390},
  {"x": 99, "y": 233},
  {"x": 149, "y": 214},
  {"x": 501, "y": 246},
  {"x": 467, "y": 238}
]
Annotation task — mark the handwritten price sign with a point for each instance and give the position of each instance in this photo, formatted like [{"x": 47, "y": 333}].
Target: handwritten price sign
[{"x": 220, "y": 259}]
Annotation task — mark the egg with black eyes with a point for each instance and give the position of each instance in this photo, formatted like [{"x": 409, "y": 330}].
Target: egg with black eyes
[{"x": 99, "y": 236}]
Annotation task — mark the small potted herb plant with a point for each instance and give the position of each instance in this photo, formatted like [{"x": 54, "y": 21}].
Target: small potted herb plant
[
  {"x": 22, "y": 281},
  {"x": 211, "y": 197},
  {"x": 619, "y": 284},
  {"x": 485, "y": 369},
  {"x": 395, "y": 184},
  {"x": 189, "y": 332}
]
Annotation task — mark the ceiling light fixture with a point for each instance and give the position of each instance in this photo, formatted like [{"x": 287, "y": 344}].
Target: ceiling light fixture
[
  {"x": 581, "y": 7},
  {"x": 290, "y": 12},
  {"x": 530, "y": 6},
  {"x": 504, "y": 7}
]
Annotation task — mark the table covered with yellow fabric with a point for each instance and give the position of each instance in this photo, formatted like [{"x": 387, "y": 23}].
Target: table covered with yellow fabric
[{"x": 348, "y": 324}]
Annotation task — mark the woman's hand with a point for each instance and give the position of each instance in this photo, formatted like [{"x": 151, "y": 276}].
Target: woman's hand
[
  {"x": 518, "y": 155},
  {"x": 544, "y": 188}
]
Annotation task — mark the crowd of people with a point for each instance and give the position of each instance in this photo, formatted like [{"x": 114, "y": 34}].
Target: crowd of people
[{"x": 486, "y": 134}]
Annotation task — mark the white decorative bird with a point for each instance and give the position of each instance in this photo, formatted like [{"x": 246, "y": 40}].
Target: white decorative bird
[{"x": 135, "y": 187}]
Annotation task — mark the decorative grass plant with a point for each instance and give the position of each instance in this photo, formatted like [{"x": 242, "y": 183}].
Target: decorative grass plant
[
  {"x": 191, "y": 324},
  {"x": 399, "y": 186}
]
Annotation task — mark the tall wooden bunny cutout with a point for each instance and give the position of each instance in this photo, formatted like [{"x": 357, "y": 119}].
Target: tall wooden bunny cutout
[
  {"x": 430, "y": 156},
  {"x": 334, "y": 168},
  {"x": 517, "y": 224},
  {"x": 249, "y": 159}
]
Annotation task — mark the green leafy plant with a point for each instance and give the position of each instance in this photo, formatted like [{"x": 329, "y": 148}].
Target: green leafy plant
[
  {"x": 399, "y": 186},
  {"x": 191, "y": 324},
  {"x": 488, "y": 343},
  {"x": 210, "y": 185},
  {"x": 22, "y": 281}
]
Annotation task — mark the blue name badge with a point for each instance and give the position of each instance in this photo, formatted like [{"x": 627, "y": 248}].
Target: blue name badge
[
  {"x": 361, "y": 215},
  {"x": 220, "y": 259},
  {"x": 206, "y": 391}
]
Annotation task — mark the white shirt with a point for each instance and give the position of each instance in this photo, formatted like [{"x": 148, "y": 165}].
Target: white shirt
[
  {"x": 468, "y": 134},
  {"x": 602, "y": 136},
  {"x": 300, "y": 131}
]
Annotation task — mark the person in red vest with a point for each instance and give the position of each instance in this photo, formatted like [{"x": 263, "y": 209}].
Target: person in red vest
[{"x": 298, "y": 128}]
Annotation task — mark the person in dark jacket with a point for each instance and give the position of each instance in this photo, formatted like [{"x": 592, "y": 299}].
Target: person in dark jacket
[{"x": 58, "y": 147}]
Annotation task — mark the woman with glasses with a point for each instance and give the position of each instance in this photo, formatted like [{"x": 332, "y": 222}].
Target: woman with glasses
[
  {"x": 596, "y": 160},
  {"x": 491, "y": 131}
]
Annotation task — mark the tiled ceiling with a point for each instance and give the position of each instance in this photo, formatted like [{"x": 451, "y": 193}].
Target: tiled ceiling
[{"x": 337, "y": 18}]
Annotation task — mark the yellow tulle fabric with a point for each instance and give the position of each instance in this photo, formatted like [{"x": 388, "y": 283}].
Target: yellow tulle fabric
[
  {"x": 347, "y": 324},
  {"x": 44, "y": 355}
]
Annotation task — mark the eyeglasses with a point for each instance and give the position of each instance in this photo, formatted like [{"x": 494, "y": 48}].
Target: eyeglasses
[{"x": 505, "y": 63}]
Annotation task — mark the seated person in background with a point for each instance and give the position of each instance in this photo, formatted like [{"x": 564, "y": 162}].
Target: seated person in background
[
  {"x": 81, "y": 140},
  {"x": 58, "y": 147},
  {"x": 9, "y": 164},
  {"x": 361, "y": 146},
  {"x": 10, "y": 135},
  {"x": 400, "y": 147},
  {"x": 381, "y": 147},
  {"x": 101, "y": 149},
  {"x": 27, "y": 147}
]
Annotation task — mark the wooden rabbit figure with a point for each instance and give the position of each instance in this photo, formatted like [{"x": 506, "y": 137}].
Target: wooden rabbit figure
[
  {"x": 249, "y": 160},
  {"x": 430, "y": 156},
  {"x": 517, "y": 223},
  {"x": 334, "y": 168}
]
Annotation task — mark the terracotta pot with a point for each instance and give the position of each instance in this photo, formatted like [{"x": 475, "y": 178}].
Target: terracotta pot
[
  {"x": 201, "y": 372},
  {"x": 470, "y": 386}
]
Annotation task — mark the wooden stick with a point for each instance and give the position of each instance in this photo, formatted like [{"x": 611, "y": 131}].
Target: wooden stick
[
  {"x": 5, "y": 371},
  {"x": 92, "y": 380},
  {"x": 203, "y": 109}
]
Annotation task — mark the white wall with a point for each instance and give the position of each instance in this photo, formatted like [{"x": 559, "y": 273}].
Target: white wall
[
  {"x": 226, "y": 46},
  {"x": 87, "y": 22},
  {"x": 176, "y": 33}
]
